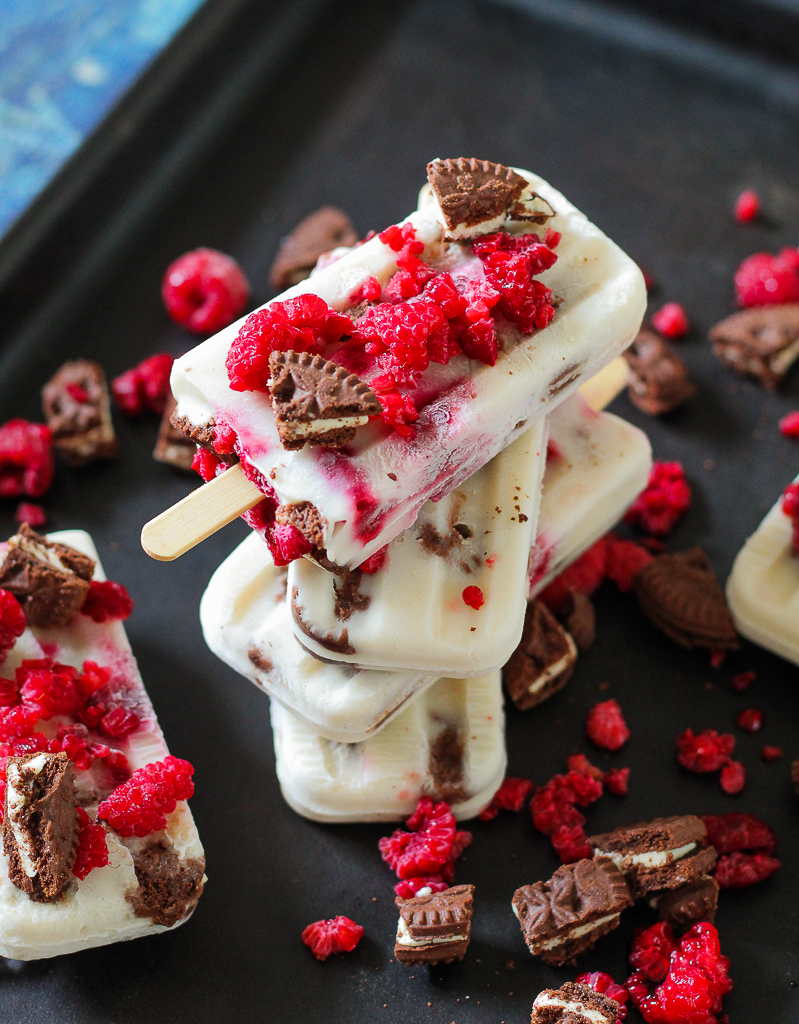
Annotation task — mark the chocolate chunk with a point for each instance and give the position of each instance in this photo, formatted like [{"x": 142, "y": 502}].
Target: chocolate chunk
[
  {"x": 348, "y": 597},
  {"x": 762, "y": 342},
  {"x": 49, "y": 580},
  {"x": 204, "y": 436},
  {"x": 40, "y": 824},
  {"x": 306, "y": 519},
  {"x": 337, "y": 644},
  {"x": 445, "y": 766},
  {"x": 581, "y": 620},
  {"x": 77, "y": 410},
  {"x": 543, "y": 662},
  {"x": 316, "y": 401},
  {"x": 681, "y": 908},
  {"x": 434, "y": 928},
  {"x": 664, "y": 853},
  {"x": 260, "y": 660},
  {"x": 325, "y": 229},
  {"x": 658, "y": 376},
  {"x": 573, "y": 1003},
  {"x": 682, "y": 597},
  {"x": 565, "y": 916},
  {"x": 169, "y": 887},
  {"x": 173, "y": 446}
]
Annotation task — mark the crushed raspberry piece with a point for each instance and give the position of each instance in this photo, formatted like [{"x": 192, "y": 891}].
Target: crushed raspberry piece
[
  {"x": 107, "y": 600},
  {"x": 671, "y": 321},
  {"x": 427, "y": 847},
  {"x": 706, "y": 751},
  {"x": 739, "y": 830},
  {"x": 461, "y": 841},
  {"x": 12, "y": 623},
  {"x": 93, "y": 677},
  {"x": 399, "y": 411},
  {"x": 605, "y": 725},
  {"x": 750, "y": 720},
  {"x": 510, "y": 796},
  {"x": 525, "y": 302},
  {"x": 764, "y": 280},
  {"x": 789, "y": 425},
  {"x": 369, "y": 291},
  {"x": 336, "y": 935},
  {"x": 396, "y": 236},
  {"x": 207, "y": 464},
  {"x": 204, "y": 290},
  {"x": 624, "y": 559},
  {"x": 33, "y": 515},
  {"x": 718, "y": 655},
  {"x": 118, "y": 766},
  {"x": 583, "y": 576},
  {"x": 663, "y": 501},
  {"x": 473, "y": 596},
  {"x": 552, "y": 238},
  {"x": 9, "y": 695},
  {"x": 119, "y": 722},
  {"x": 92, "y": 846},
  {"x": 651, "y": 950},
  {"x": 400, "y": 335},
  {"x": 555, "y": 804},
  {"x": 790, "y": 506},
  {"x": 738, "y": 870},
  {"x": 16, "y": 722},
  {"x": 144, "y": 387},
  {"x": 140, "y": 805},
  {"x": 747, "y": 207},
  {"x": 617, "y": 781},
  {"x": 770, "y": 753},
  {"x": 733, "y": 778},
  {"x": 580, "y": 763},
  {"x": 78, "y": 392},
  {"x": 606, "y": 986},
  {"x": 374, "y": 563},
  {"x": 570, "y": 844},
  {"x": 26, "y": 459},
  {"x": 50, "y": 688},
  {"x": 743, "y": 681},
  {"x": 287, "y": 543},
  {"x": 408, "y": 888}
]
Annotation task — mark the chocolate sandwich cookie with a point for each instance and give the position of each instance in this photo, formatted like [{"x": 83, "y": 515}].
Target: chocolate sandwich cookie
[
  {"x": 49, "y": 580},
  {"x": 323, "y": 230},
  {"x": 543, "y": 662},
  {"x": 40, "y": 824},
  {"x": 173, "y": 446},
  {"x": 762, "y": 342},
  {"x": 573, "y": 1004},
  {"x": 664, "y": 853},
  {"x": 564, "y": 917},
  {"x": 434, "y": 928},
  {"x": 681, "y": 908},
  {"x": 659, "y": 379},
  {"x": 77, "y": 410}
]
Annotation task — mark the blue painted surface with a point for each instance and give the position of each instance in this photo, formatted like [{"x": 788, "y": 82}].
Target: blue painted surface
[{"x": 63, "y": 64}]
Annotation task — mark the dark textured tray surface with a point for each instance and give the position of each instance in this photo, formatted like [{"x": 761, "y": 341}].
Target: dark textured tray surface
[{"x": 654, "y": 154}]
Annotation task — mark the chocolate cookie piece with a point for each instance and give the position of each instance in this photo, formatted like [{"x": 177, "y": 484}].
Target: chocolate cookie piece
[
  {"x": 658, "y": 376},
  {"x": 664, "y": 853},
  {"x": 573, "y": 1003},
  {"x": 445, "y": 766},
  {"x": 434, "y": 928},
  {"x": 40, "y": 824},
  {"x": 49, "y": 580},
  {"x": 543, "y": 662},
  {"x": 204, "y": 436},
  {"x": 169, "y": 887},
  {"x": 681, "y": 908},
  {"x": 564, "y": 917},
  {"x": 325, "y": 229},
  {"x": 306, "y": 519},
  {"x": 77, "y": 409},
  {"x": 580, "y": 619},
  {"x": 762, "y": 342},
  {"x": 316, "y": 401},
  {"x": 173, "y": 446},
  {"x": 682, "y": 597}
]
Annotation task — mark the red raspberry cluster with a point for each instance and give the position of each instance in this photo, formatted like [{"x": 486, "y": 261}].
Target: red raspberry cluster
[
  {"x": 107, "y": 600},
  {"x": 606, "y": 986},
  {"x": 336, "y": 935},
  {"x": 413, "y": 273},
  {"x": 140, "y": 805},
  {"x": 92, "y": 846},
  {"x": 746, "y": 847},
  {"x": 510, "y": 796},
  {"x": 12, "y": 624},
  {"x": 790, "y": 506},
  {"x": 663, "y": 501},
  {"x": 764, "y": 280},
  {"x": 709, "y": 751},
  {"x": 204, "y": 290},
  {"x": 144, "y": 388},
  {"x": 431, "y": 847},
  {"x": 510, "y": 264},
  {"x": 610, "y": 557},
  {"x": 26, "y": 459},
  {"x": 53, "y": 689}
]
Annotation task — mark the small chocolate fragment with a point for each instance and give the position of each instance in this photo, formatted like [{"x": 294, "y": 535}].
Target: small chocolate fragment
[
  {"x": 325, "y": 229},
  {"x": 664, "y": 853},
  {"x": 434, "y": 928},
  {"x": 169, "y": 887},
  {"x": 658, "y": 376},
  {"x": 543, "y": 662},
  {"x": 40, "y": 824},
  {"x": 77, "y": 410},
  {"x": 173, "y": 446},
  {"x": 445, "y": 766},
  {"x": 316, "y": 401},
  {"x": 573, "y": 1003},
  {"x": 762, "y": 342},
  {"x": 348, "y": 596},
  {"x": 682, "y": 597},
  {"x": 681, "y": 908},
  {"x": 49, "y": 580},
  {"x": 337, "y": 644},
  {"x": 564, "y": 917},
  {"x": 580, "y": 619}
]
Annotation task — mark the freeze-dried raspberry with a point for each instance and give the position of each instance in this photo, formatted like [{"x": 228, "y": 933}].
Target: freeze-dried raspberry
[
  {"x": 140, "y": 805},
  {"x": 26, "y": 459},
  {"x": 374, "y": 563},
  {"x": 16, "y": 722},
  {"x": 617, "y": 781},
  {"x": 605, "y": 725},
  {"x": 34, "y": 515},
  {"x": 651, "y": 950},
  {"x": 738, "y": 870},
  {"x": 580, "y": 763},
  {"x": 765, "y": 280},
  {"x": 570, "y": 844},
  {"x": 671, "y": 321},
  {"x": 50, "y": 688},
  {"x": 739, "y": 830},
  {"x": 303, "y": 324},
  {"x": 206, "y": 464},
  {"x": 92, "y": 846},
  {"x": 789, "y": 425},
  {"x": 425, "y": 849},
  {"x": 771, "y": 753},
  {"x": 479, "y": 341},
  {"x": 663, "y": 501},
  {"x": 750, "y": 720},
  {"x": 790, "y": 506},
  {"x": 747, "y": 207},
  {"x": 733, "y": 778},
  {"x": 473, "y": 596},
  {"x": 525, "y": 302},
  {"x": 624, "y": 559},
  {"x": 442, "y": 291},
  {"x": 413, "y": 273},
  {"x": 107, "y": 600},
  {"x": 369, "y": 291},
  {"x": 336, "y": 935},
  {"x": 287, "y": 544},
  {"x": 204, "y": 290},
  {"x": 118, "y": 766},
  {"x": 583, "y": 576},
  {"x": 409, "y": 887},
  {"x": 399, "y": 334},
  {"x": 743, "y": 681},
  {"x": 12, "y": 623},
  {"x": 606, "y": 986},
  {"x": 144, "y": 387},
  {"x": 554, "y": 804},
  {"x": 396, "y": 236},
  {"x": 119, "y": 721},
  {"x": 552, "y": 238},
  {"x": 510, "y": 796},
  {"x": 706, "y": 751}
]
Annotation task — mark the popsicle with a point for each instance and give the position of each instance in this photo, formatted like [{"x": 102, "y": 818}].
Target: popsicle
[{"x": 152, "y": 879}]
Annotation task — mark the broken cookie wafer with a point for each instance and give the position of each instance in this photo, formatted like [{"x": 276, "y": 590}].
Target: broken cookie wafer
[
  {"x": 316, "y": 401},
  {"x": 659, "y": 379},
  {"x": 323, "y": 230},
  {"x": 681, "y": 908},
  {"x": 573, "y": 1003},
  {"x": 434, "y": 928},
  {"x": 762, "y": 342},
  {"x": 77, "y": 410},
  {"x": 543, "y": 662},
  {"x": 173, "y": 446}
]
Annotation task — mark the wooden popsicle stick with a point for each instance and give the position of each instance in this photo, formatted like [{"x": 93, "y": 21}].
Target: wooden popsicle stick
[
  {"x": 603, "y": 387},
  {"x": 199, "y": 514}
]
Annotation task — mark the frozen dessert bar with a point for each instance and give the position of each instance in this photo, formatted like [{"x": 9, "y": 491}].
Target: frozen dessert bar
[
  {"x": 763, "y": 588},
  {"x": 434, "y": 927},
  {"x": 83, "y": 864},
  {"x": 455, "y": 582},
  {"x": 448, "y": 743},
  {"x": 465, "y": 343}
]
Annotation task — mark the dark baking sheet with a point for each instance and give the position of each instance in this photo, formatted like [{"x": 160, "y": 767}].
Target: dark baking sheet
[{"x": 652, "y": 136}]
